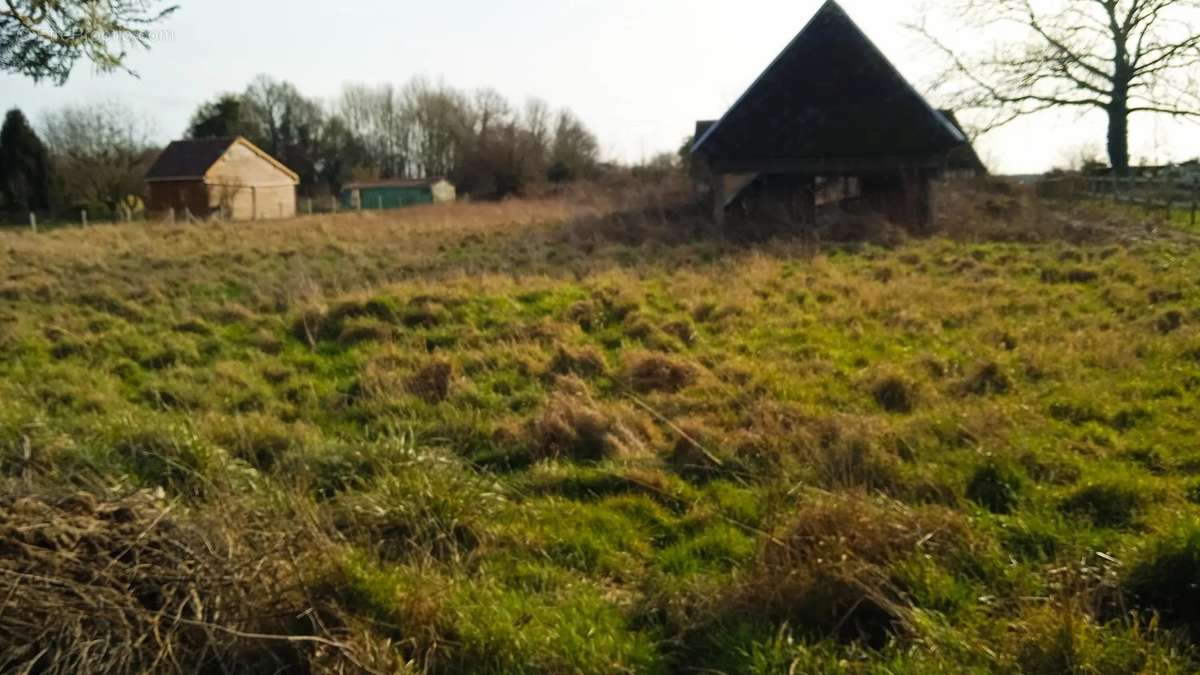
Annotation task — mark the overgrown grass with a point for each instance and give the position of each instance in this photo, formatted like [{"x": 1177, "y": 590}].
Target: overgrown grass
[{"x": 556, "y": 436}]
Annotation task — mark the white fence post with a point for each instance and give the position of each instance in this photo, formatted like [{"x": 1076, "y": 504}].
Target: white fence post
[
  {"x": 33, "y": 222},
  {"x": 83, "y": 217}
]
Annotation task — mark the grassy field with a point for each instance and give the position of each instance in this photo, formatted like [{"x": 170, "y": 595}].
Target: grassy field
[{"x": 566, "y": 437}]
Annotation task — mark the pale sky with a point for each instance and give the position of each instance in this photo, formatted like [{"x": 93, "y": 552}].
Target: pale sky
[{"x": 638, "y": 72}]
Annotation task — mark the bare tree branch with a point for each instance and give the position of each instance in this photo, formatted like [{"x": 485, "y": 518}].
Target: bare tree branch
[{"x": 1123, "y": 57}]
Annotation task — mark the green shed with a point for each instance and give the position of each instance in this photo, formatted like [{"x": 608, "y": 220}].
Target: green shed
[{"x": 396, "y": 194}]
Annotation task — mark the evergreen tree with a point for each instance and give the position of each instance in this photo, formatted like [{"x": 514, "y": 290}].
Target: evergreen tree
[
  {"x": 222, "y": 118},
  {"x": 26, "y": 175}
]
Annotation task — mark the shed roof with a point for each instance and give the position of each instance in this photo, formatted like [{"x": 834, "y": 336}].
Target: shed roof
[
  {"x": 830, "y": 94},
  {"x": 392, "y": 183},
  {"x": 192, "y": 159}
]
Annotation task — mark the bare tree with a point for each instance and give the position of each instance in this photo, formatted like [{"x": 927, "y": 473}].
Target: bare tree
[
  {"x": 1122, "y": 57},
  {"x": 44, "y": 38},
  {"x": 101, "y": 152},
  {"x": 442, "y": 120},
  {"x": 574, "y": 151},
  {"x": 377, "y": 116}
]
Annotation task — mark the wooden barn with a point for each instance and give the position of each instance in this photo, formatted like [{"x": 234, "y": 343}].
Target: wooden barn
[
  {"x": 397, "y": 193},
  {"x": 226, "y": 177},
  {"x": 963, "y": 162},
  {"x": 831, "y": 109}
]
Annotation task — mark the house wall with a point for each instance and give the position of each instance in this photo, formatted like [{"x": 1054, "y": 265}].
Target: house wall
[
  {"x": 386, "y": 197},
  {"x": 443, "y": 191},
  {"x": 191, "y": 196},
  {"x": 249, "y": 187}
]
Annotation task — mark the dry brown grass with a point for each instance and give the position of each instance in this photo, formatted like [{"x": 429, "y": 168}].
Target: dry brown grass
[
  {"x": 825, "y": 571},
  {"x": 647, "y": 372},
  {"x": 131, "y": 585},
  {"x": 573, "y": 425}
]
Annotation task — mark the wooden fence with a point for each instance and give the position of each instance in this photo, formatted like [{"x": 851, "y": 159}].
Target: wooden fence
[{"x": 1167, "y": 194}]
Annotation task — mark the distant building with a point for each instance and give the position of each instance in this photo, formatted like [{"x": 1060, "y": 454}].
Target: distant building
[
  {"x": 830, "y": 111},
  {"x": 230, "y": 177},
  {"x": 397, "y": 193}
]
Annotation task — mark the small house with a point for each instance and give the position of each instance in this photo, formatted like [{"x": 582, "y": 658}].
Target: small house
[
  {"x": 830, "y": 113},
  {"x": 226, "y": 177},
  {"x": 397, "y": 193}
]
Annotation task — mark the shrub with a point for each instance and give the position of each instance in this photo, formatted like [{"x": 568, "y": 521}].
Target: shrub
[
  {"x": 317, "y": 325},
  {"x": 684, "y": 331},
  {"x": 1056, "y": 639},
  {"x": 358, "y": 330},
  {"x": 826, "y": 572},
  {"x": 1071, "y": 276},
  {"x": 1050, "y": 470},
  {"x": 1166, "y": 580},
  {"x": 584, "y": 362},
  {"x": 586, "y": 314},
  {"x": 854, "y": 460},
  {"x": 424, "y": 313},
  {"x": 988, "y": 378},
  {"x": 697, "y": 454},
  {"x": 895, "y": 393},
  {"x": 167, "y": 455},
  {"x": 574, "y": 426},
  {"x": 650, "y": 372},
  {"x": 432, "y": 382},
  {"x": 1110, "y": 504},
  {"x": 427, "y": 505},
  {"x": 995, "y": 487},
  {"x": 260, "y": 440},
  {"x": 1170, "y": 322},
  {"x": 1193, "y": 492}
]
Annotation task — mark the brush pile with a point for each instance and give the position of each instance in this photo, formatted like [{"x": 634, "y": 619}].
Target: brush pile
[{"x": 90, "y": 584}]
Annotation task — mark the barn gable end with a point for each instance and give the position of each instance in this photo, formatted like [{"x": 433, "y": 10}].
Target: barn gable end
[
  {"x": 830, "y": 108},
  {"x": 830, "y": 94}
]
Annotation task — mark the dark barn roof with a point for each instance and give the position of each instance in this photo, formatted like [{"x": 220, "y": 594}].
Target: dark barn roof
[
  {"x": 186, "y": 160},
  {"x": 830, "y": 94},
  {"x": 964, "y": 157},
  {"x": 191, "y": 160}
]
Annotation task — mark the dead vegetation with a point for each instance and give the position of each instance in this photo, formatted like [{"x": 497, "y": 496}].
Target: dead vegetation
[
  {"x": 573, "y": 425},
  {"x": 131, "y": 584}
]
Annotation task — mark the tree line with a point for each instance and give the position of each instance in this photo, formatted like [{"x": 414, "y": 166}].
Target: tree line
[
  {"x": 489, "y": 147},
  {"x": 96, "y": 156}
]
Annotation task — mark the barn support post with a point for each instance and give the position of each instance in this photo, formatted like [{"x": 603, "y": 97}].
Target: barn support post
[
  {"x": 926, "y": 201},
  {"x": 806, "y": 200},
  {"x": 932, "y": 196},
  {"x": 253, "y": 202},
  {"x": 719, "y": 197}
]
